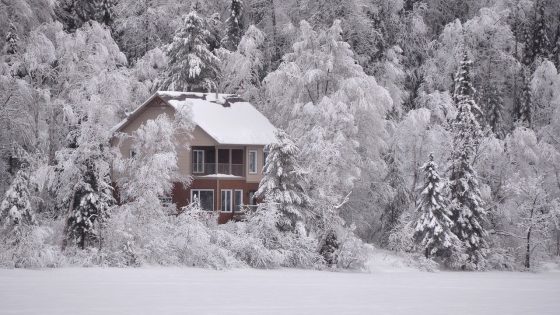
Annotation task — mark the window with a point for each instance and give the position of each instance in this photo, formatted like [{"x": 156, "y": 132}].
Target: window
[
  {"x": 198, "y": 161},
  {"x": 238, "y": 200},
  {"x": 226, "y": 200},
  {"x": 205, "y": 198},
  {"x": 252, "y": 162},
  {"x": 252, "y": 199}
]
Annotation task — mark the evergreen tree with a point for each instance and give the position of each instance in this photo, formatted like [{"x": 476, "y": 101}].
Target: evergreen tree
[
  {"x": 74, "y": 13},
  {"x": 527, "y": 52},
  {"x": 282, "y": 182},
  {"x": 541, "y": 43},
  {"x": 555, "y": 53},
  {"x": 493, "y": 107},
  {"x": 215, "y": 32},
  {"x": 537, "y": 43},
  {"x": 524, "y": 109},
  {"x": 91, "y": 203},
  {"x": 191, "y": 66},
  {"x": 463, "y": 87},
  {"x": 433, "y": 228},
  {"x": 15, "y": 209},
  {"x": 466, "y": 203},
  {"x": 234, "y": 30}
]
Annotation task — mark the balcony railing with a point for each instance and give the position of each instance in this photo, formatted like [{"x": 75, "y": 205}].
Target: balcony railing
[{"x": 218, "y": 168}]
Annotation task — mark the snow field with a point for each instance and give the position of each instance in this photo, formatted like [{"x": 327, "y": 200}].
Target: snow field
[{"x": 286, "y": 291}]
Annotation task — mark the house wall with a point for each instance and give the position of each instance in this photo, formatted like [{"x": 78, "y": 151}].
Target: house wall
[
  {"x": 184, "y": 155},
  {"x": 151, "y": 111},
  {"x": 254, "y": 178},
  {"x": 182, "y": 195}
]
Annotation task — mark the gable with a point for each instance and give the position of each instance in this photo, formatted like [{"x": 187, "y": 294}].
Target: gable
[{"x": 151, "y": 109}]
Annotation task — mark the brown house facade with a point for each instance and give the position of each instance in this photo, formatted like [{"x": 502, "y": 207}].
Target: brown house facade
[{"x": 225, "y": 155}]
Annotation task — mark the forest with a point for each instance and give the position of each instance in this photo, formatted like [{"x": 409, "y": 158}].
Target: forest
[{"x": 428, "y": 128}]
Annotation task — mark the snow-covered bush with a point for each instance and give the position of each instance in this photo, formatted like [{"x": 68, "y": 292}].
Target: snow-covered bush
[
  {"x": 353, "y": 253},
  {"x": 196, "y": 242},
  {"x": 401, "y": 237},
  {"x": 28, "y": 247},
  {"x": 259, "y": 243}
]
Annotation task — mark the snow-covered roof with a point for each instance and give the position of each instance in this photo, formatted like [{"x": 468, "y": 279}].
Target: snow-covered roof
[{"x": 227, "y": 118}]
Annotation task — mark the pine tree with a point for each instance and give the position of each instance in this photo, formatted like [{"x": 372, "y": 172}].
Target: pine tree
[
  {"x": 191, "y": 66},
  {"x": 12, "y": 40},
  {"x": 524, "y": 110},
  {"x": 555, "y": 53},
  {"x": 215, "y": 32},
  {"x": 90, "y": 205},
  {"x": 541, "y": 43},
  {"x": 15, "y": 209},
  {"x": 433, "y": 228},
  {"x": 463, "y": 87},
  {"x": 282, "y": 182},
  {"x": 527, "y": 53},
  {"x": 466, "y": 203},
  {"x": 234, "y": 30},
  {"x": 493, "y": 107},
  {"x": 537, "y": 43},
  {"x": 74, "y": 13}
]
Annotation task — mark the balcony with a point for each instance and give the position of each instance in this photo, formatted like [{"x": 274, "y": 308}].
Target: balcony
[{"x": 202, "y": 169}]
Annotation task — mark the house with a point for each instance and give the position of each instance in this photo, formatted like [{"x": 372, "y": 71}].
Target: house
[{"x": 226, "y": 154}]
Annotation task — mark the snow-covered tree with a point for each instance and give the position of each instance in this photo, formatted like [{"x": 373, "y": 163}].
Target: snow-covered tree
[
  {"x": 433, "y": 228},
  {"x": 465, "y": 201},
  {"x": 336, "y": 114},
  {"x": 545, "y": 93},
  {"x": 143, "y": 25},
  {"x": 283, "y": 183},
  {"x": 74, "y": 13},
  {"x": 398, "y": 199},
  {"x": 12, "y": 40},
  {"x": 524, "y": 114},
  {"x": 92, "y": 196},
  {"x": 215, "y": 32},
  {"x": 530, "y": 212},
  {"x": 234, "y": 28},
  {"x": 555, "y": 51},
  {"x": 493, "y": 107},
  {"x": 241, "y": 70},
  {"x": 15, "y": 208},
  {"x": 540, "y": 43},
  {"x": 191, "y": 65},
  {"x": 141, "y": 223}
]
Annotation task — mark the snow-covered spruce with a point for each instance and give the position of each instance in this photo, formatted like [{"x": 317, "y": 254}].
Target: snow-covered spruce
[
  {"x": 191, "y": 65},
  {"x": 90, "y": 207},
  {"x": 15, "y": 209},
  {"x": 433, "y": 228},
  {"x": 466, "y": 204},
  {"x": 283, "y": 181},
  {"x": 234, "y": 28}
]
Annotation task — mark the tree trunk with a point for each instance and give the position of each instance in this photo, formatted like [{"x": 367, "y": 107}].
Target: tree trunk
[
  {"x": 276, "y": 50},
  {"x": 528, "y": 252}
]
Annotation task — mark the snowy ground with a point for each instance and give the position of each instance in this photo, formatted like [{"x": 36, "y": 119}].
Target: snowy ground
[{"x": 245, "y": 291}]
